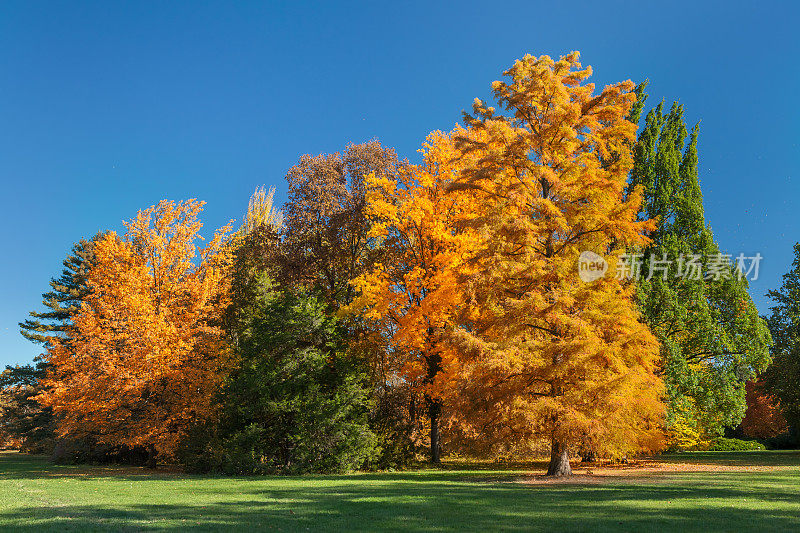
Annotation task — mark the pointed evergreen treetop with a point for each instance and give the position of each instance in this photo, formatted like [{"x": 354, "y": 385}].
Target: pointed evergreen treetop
[
  {"x": 64, "y": 298},
  {"x": 713, "y": 340}
]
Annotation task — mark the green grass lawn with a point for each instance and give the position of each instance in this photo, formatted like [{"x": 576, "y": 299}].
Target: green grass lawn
[{"x": 37, "y": 496}]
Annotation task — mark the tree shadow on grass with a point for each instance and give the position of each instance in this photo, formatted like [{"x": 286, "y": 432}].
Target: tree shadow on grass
[
  {"x": 15, "y": 465},
  {"x": 478, "y": 499},
  {"x": 430, "y": 505}
]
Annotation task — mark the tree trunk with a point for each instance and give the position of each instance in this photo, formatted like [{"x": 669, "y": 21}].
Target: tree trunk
[
  {"x": 434, "y": 410},
  {"x": 434, "y": 361},
  {"x": 151, "y": 457},
  {"x": 559, "y": 460}
]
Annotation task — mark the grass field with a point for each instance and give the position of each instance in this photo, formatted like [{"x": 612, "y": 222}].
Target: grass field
[{"x": 756, "y": 491}]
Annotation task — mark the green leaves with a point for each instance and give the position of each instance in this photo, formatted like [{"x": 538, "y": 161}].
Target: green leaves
[
  {"x": 712, "y": 339},
  {"x": 783, "y": 377},
  {"x": 294, "y": 402}
]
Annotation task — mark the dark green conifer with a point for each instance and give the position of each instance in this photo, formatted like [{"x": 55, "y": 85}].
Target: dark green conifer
[{"x": 64, "y": 297}]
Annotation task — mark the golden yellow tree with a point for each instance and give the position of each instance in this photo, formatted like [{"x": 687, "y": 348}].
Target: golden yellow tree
[
  {"x": 261, "y": 212},
  {"x": 545, "y": 352},
  {"x": 411, "y": 294},
  {"x": 144, "y": 352}
]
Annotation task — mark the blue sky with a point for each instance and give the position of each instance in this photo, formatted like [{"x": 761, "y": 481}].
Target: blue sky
[{"x": 107, "y": 107}]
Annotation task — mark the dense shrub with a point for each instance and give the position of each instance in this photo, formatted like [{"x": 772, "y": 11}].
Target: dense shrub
[
  {"x": 723, "y": 444},
  {"x": 393, "y": 427},
  {"x": 295, "y": 402},
  {"x": 88, "y": 450},
  {"x": 789, "y": 440}
]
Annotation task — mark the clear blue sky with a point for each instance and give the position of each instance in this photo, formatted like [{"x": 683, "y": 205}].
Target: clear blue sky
[{"x": 107, "y": 107}]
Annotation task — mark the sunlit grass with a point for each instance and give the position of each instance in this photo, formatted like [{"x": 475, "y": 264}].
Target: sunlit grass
[{"x": 37, "y": 496}]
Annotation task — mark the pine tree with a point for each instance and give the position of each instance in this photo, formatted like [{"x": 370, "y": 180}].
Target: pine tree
[
  {"x": 712, "y": 338},
  {"x": 294, "y": 401},
  {"x": 65, "y": 297},
  {"x": 23, "y": 417}
]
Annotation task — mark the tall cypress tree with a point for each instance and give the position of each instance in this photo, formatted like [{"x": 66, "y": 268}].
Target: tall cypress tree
[{"x": 713, "y": 340}]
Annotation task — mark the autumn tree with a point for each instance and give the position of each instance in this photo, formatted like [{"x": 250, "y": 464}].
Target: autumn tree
[
  {"x": 144, "y": 351},
  {"x": 411, "y": 293},
  {"x": 254, "y": 249},
  {"x": 712, "y": 338},
  {"x": 261, "y": 212},
  {"x": 22, "y": 415},
  {"x": 763, "y": 418},
  {"x": 255, "y": 246},
  {"x": 325, "y": 243},
  {"x": 325, "y": 233},
  {"x": 549, "y": 354}
]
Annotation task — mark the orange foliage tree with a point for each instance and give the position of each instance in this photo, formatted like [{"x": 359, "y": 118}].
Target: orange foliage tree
[
  {"x": 411, "y": 294},
  {"x": 545, "y": 352},
  {"x": 142, "y": 358},
  {"x": 763, "y": 418}
]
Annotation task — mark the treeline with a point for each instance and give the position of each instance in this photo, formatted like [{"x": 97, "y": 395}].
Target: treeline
[{"x": 391, "y": 308}]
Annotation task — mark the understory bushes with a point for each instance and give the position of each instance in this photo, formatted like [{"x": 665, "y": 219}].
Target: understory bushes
[{"x": 723, "y": 444}]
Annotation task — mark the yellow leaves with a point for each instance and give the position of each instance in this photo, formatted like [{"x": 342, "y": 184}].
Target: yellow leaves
[
  {"x": 537, "y": 187},
  {"x": 261, "y": 211},
  {"x": 476, "y": 292},
  {"x": 686, "y": 435}
]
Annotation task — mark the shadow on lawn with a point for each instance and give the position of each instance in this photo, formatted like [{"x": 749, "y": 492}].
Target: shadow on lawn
[
  {"x": 424, "y": 500},
  {"x": 15, "y": 465},
  {"x": 426, "y": 506},
  {"x": 23, "y": 466}
]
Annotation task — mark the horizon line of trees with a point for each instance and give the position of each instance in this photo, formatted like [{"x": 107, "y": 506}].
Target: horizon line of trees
[{"x": 390, "y": 307}]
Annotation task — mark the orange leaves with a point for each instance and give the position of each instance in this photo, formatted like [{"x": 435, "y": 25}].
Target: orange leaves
[
  {"x": 764, "y": 418},
  {"x": 466, "y": 265},
  {"x": 411, "y": 291},
  {"x": 142, "y": 360}
]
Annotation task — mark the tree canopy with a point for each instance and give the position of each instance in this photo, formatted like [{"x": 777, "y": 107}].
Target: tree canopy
[
  {"x": 783, "y": 377},
  {"x": 551, "y": 354},
  {"x": 143, "y": 353},
  {"x": 712, "y": 339},
  {"x": 483, "y": 300}
]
